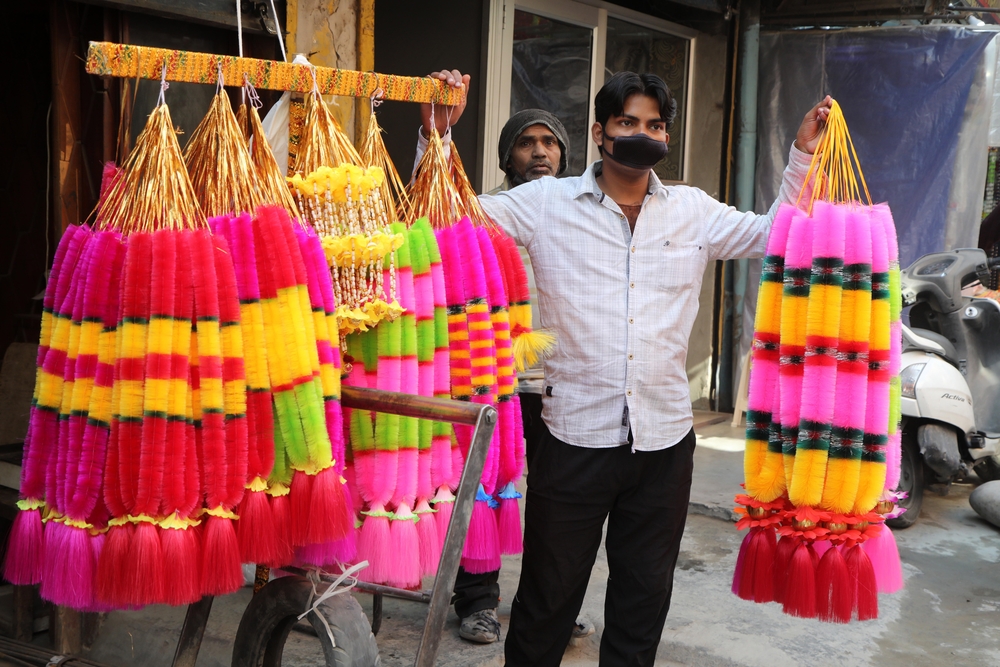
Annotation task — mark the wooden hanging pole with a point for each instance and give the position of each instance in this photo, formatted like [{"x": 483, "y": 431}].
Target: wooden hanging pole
[{"x": 146, "y": 62}]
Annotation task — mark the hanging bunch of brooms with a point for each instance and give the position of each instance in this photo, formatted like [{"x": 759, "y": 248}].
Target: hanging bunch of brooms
[
  {"x": 186, "y": 414},
  {"x": 822, "y": 446}
]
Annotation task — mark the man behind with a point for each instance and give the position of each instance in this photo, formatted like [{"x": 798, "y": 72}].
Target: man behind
[{"x": 533, "y": 143}]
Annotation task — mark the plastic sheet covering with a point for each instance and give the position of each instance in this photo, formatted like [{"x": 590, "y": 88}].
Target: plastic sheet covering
[
  {"x": 993, "y": 79},
  {"x": 918, "y": 104}
]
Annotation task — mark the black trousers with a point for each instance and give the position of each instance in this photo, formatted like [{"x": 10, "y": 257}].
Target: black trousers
[
  {"x": 571, "y": 491},
  {"x": 475, "y": 592},
  {"x": 535, "y": 430}
]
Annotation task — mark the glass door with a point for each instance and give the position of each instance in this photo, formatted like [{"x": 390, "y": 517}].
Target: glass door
[
  {"x": 551, "y": 70},
  {"x": 556, "y": 54}
]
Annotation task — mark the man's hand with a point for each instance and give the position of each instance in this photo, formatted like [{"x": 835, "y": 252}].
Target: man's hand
[
  {"x": 445, "y": 116},
  {"x": 813, "y": 125}
]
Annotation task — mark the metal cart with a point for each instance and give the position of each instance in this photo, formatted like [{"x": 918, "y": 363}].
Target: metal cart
[{"x": 350, "y": 642}]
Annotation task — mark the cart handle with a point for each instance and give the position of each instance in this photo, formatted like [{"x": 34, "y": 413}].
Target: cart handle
[{"x": 409, "y": 405}]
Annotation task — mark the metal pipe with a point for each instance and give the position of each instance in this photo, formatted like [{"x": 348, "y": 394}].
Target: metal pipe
[
  {"x": 192, "y": 632},
  {"x": 451, "y": 554},
  {"x": 746, "y": 141},
  {"x": 408, "y": 405},
  {"x": 402, "y": 594},
  {"x": 745, "y": 169}
]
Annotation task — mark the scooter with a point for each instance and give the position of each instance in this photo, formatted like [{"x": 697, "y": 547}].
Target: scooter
[{"x": 950, "y": 376}]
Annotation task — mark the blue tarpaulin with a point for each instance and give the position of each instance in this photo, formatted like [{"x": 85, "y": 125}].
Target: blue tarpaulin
[{"x": 904, "y": 93}]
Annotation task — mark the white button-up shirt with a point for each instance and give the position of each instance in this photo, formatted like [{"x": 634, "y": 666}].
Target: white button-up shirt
[{"x": 622, "y": 304}]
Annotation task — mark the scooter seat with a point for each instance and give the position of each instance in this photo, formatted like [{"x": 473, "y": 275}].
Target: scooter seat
[{"x": 950, "y": 353}]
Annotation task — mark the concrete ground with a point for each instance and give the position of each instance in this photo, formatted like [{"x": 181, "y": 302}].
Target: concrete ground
[{"x": 948, "y": 613}]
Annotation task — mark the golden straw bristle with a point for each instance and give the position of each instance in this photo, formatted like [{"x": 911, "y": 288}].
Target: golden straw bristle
[
  {"x": 467, "y": 193},
  {"x": 273, "y": 186},
  {"x": 154, "y": 191},
  {"x": 219, "y": 163},
  {"x": 323, "y": 143},
  {"x": 432, "y": 193},
  {"x": 374, "y": 154}
]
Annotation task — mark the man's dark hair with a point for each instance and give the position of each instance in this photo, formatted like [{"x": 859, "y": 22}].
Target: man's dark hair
[{"x": 610, "y": 99}]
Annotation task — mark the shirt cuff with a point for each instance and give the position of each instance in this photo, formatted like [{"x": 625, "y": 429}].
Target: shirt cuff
[
  {"x": 798, "y": 161},
  {"x": 422, "y": 140}
]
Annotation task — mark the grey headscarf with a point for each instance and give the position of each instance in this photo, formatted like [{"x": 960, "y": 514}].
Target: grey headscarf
[{"x": 521, "y": 121}]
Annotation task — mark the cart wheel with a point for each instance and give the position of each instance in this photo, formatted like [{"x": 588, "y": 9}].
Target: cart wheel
[{"x": 271, "y": 614}]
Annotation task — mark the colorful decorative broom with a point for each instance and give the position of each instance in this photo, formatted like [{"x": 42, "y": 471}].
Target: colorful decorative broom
[
  {"x": 72, "y": 523},
  {"x": 446, "y": 463},
  {"x": 437, "y": 204},
  {"x": 317, "y": 508},
  {"x": 25, "y": 551},
  {"x": 374, "y": 539},
  {"x": 528, "y": 345},
  {"x": 882, "y": 549},
  {"x": 327, "y": 340},
  {"x": 405, "y": 551},
  {"x": 510, "y": 454},
  {"x": 423, "y": 289},
  {"x": 482, "y": 544}
]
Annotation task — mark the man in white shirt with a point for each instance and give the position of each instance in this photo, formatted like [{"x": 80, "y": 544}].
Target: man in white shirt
[{"x": 618, "y": 260}]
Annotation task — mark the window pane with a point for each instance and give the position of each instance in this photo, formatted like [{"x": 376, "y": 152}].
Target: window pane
[
  {"x": 631, "y": 47},
  {"x": 551, "y": 71}
]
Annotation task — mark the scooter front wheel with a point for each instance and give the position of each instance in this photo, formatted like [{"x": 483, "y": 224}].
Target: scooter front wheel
[{"x": 911, "y": 481}]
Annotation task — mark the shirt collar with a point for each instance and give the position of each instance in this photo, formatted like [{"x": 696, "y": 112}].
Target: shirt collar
[{"x": 588, "y": 182}]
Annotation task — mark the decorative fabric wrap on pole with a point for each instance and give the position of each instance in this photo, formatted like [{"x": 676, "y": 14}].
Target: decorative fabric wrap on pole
[{"x": 146, "y": 62}]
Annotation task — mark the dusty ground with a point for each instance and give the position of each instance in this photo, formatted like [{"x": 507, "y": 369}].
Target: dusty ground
[{"x": 948, "y": 614}]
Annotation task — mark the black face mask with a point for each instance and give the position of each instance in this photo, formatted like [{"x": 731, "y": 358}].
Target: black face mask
[{"x": 639, "y": 151}]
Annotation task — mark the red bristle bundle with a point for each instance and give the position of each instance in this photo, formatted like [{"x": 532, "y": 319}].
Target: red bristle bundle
[
  {"x": 863, "y": 585},
  {"x": 112, "y": 589},
  {"x": 482, "y": 542},
  {"x": 782, "y": 554},
  {"x": 833, "y": 588},
  {"x": 221, "y": 573},
  {"x": 52, "y": 576},
  {"x": 800, "y": 589},
  {"x": 328, "y": 516},
  {"x": 281, "y": 511},
  {"x": 182, "y": 553},
  {"x": 301, "y": 504},
  {"x": 405, "y": 552},
  {"x": 430, "y": 542},
  {"x": 255, "y": 529},
  {"x": 144, "y": 572},
  {"x": 372, "y": 539},
  {"x": 509, "y": 527}
]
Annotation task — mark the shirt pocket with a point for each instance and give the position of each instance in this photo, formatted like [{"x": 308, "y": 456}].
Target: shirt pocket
[{"x": 681, "y": 265}]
